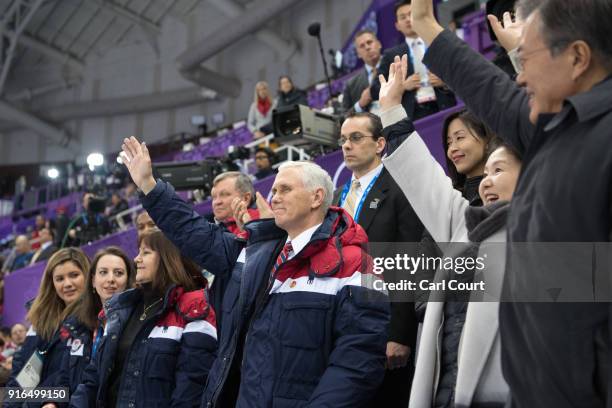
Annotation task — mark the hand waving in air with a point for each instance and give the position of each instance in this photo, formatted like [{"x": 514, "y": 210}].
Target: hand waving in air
[
  {"x": 138, "y": 162},
  {"x": 509, "y": 33},
  {"x": 391, "y": 90}
]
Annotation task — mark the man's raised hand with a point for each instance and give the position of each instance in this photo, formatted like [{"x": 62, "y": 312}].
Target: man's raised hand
[
  {"x": 509, "y": 33},
  {"x": 423, "y": 20},
  {"x": 138, "y": 162}
]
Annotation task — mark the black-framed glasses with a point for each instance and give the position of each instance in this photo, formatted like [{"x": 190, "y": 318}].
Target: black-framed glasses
[{"x": 355, "y": 138}]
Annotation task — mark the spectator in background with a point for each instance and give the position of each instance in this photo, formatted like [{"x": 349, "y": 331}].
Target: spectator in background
[
  {"x": 131, "y": 191},
  {"x": 18, "y": 334},
  {"x": 425, "y": 92},
  {"x": 357, "y": 96},
  {"x": 23, "y": 254},
  {"x": 118, "y": 205},
  {"x": 265, "y": 158},
  {"x": 91, "y": 224},
  {"x": 8, "y": 348},
  {"x": 144, "y": 223},
  {"x": 47, "y": 247},
  {"x": 5, "y": 335},
  {"x": 61, "y": 225},
  {"x": 39, "y": 224},
  {"x": 259, "y": 121},
  {"x": 288, "y": 94}
]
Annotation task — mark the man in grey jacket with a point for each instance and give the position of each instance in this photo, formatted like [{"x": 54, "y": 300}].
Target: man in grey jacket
[{"x": 553, "y": 354}]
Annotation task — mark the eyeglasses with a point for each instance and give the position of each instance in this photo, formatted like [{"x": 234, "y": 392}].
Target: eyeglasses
[
  {"x": 355, "y": 138},
  {"x": 518, "y": 58}
]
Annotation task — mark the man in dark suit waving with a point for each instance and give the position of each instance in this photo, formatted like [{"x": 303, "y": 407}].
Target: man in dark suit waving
[
  {"x": 357, "y": 97},
  {"x": 425, "y": 93},
  {"x": 376, "y": 202}
]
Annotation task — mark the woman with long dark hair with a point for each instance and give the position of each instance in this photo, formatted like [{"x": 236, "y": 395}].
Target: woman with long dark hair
[
  {"x": 111, "y": 272},
  {"x": 160, "y": 337},
  {"x": 52, "y": 331},
  {"x": 465, "y": 139}
]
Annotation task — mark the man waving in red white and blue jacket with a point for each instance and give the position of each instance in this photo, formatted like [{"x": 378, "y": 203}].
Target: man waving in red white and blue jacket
[{"x": 304, "y": 329}]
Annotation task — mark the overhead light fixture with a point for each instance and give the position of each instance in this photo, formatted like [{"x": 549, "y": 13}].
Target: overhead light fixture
[
  {"x": 53, "y": 173},
  {"x": 94, "y": 160}
]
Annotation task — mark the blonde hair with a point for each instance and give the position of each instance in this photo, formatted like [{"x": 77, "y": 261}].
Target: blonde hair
[
  {"x": 256, "y": 97},
  {"x": 48, "y": 310}
]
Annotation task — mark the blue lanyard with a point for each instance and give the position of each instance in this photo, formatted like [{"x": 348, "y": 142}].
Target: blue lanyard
[
  {"x": 99, "y": 334},
  {"x": 346, "y": 189}
]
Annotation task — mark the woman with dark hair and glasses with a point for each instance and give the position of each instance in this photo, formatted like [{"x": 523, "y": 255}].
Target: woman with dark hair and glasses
[{"x": 159, "y": 340}]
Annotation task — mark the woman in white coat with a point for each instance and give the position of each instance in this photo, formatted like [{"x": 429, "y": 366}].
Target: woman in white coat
[{"x": 457, "y": 364}]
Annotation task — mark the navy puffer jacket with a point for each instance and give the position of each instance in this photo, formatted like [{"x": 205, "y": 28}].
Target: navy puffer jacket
[
  {"x": 314, "y": 337},
  {"x": 168, "y": 363}
]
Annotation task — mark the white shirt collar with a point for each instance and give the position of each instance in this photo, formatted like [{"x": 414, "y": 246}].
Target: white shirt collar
[
  {"x": 367, "y": 178},
  {"x": 298, "y": 243},
  {"x": 370, "y": 68},
  {"x": 410, "y": 41},
  {"x": 45, "y": 245}
]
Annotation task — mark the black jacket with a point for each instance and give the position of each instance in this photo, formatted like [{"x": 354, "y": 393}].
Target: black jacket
[
  {"x": 563, "y": 195},
  {"x": 444, "y": 98},
  {"x": 46, "y": 253},
  {"x": 386, "y": 216},
  {"x": 293, "y": 97}
]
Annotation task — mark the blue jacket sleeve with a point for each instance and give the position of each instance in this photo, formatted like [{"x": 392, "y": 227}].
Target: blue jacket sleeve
[
  {"x": 357, "y": 362},
  {"x": 196, "y": 355},
  {"x": 204, "y": 242}
]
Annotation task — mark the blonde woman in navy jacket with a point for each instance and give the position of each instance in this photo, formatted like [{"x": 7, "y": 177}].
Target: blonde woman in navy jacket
[{"x": 53, "y": 327}]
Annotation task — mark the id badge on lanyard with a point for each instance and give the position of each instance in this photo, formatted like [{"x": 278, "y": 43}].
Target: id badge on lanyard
[{"x": 29, "y": 376}]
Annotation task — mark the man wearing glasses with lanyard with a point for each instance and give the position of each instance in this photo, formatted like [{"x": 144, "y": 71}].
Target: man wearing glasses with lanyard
[{"x": 376, "y": 202}]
